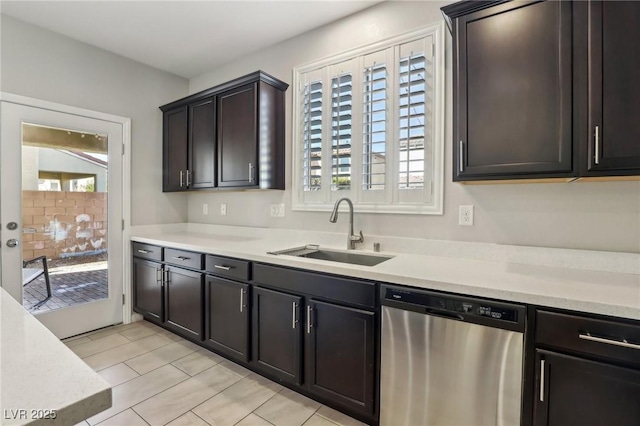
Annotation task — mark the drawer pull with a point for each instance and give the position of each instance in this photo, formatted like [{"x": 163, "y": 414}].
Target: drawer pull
[
  {"x": 144, "y": 251},
  {"x": 225, "y": 268},
  {"x": 181, "y": 258},
  {"x": 623, "y": 343}
]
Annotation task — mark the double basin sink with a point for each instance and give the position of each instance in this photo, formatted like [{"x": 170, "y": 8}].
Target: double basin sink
[{"x": 311, "y": 251}]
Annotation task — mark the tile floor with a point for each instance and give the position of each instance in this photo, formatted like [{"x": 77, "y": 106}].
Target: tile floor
[{"x": 159, "y": 378}]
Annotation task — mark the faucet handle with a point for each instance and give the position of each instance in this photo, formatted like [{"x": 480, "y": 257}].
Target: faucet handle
[{"x": 357, "y": 239}]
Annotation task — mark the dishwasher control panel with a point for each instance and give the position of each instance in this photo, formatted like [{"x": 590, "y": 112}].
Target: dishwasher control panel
[{"x": 453, "y": 304}]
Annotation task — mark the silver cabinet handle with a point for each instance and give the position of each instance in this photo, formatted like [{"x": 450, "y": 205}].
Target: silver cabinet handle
[
  {"x": 596, "y": 147},
  {"x": 224, "y": 268},
  {"x": 623, "y": 343},
  {"x": 250, "y": 173},
  {"x": 181, "y": 182},
  {"x": 166, "y": 277},
  {"x": 294, "y": 319},
  {"x": 542, "y": 380},
  {"x": 309, "y": 325},
  {"x": 143, "y": 251},
  {"x": 241, "y": 300},
  {"x": 188, "y": 178},
  {"x": 181, "y": 258},
  {"x": 461, "y": 156},
  {"x": 159, "y": 275}
]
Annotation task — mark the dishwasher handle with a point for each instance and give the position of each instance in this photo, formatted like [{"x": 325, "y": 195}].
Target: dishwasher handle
[{"x": 443, "y": 314}]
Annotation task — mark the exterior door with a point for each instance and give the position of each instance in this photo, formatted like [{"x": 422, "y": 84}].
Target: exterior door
[{"x": 18, "y": 115}]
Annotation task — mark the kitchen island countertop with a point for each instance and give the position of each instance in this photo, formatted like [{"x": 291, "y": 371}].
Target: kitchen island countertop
[{"x": 41, "y": 380}]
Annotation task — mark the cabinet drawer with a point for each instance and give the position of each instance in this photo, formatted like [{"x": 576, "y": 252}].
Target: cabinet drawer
[
  {"x": 187, "y": 259},
  {"x": 227, "y": 267},
  {"x": 147, "y": 251},
  {"x": 344, "y": 290},
  {"x": 601, "y": 337}
]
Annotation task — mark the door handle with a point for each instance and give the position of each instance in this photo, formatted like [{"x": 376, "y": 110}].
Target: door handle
[
  {"x": 250, "y": 173},
  {"x": 541, "y": 380},
  {"x": 294, "y": 317},
  {"x": 13, "y": 243},
  {"x": 159, "y": 276},
  {"x": 461, "y": 156},
  {"x": 181, "y": 179},
  {"x": 596, "y": 147},
  {"x": 241, "y": 300},
  {"x": 309, "y": 325},
  {"x": 188, "y": 178}
]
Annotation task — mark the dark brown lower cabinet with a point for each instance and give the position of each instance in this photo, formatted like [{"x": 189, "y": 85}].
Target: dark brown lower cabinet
[
  {"x": 227, "y": 317},
  {"x": 577, "y": 391},
  {"x": 277, "y": 334},
  {"x": 340, "y": 355},
  {"x": 183, "y": 301},
  {"x": 148, "y": 289}
]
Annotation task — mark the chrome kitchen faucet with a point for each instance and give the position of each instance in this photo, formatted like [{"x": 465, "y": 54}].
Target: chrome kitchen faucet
[{"x": 352, "y": 239}]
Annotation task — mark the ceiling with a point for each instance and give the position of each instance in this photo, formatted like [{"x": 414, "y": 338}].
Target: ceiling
[{"x": 186, "y": 38}]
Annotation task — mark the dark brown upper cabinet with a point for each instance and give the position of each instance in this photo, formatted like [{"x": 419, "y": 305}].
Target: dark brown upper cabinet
[
  {"x": 544, "y": 90},
  {"x": 229, "y": 136},
  {"x": 174, "y": 149},
  {"x": 613, "y": 138},
  {"x": 512, "y": 92}
]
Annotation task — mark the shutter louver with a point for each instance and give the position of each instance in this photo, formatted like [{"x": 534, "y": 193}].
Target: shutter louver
[
  {"x": 312, "y": 136},
  {"x": 374, "y": 143},
  {"x": 341, "y": 117}
]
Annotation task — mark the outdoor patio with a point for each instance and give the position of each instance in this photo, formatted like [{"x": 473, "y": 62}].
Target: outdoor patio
[{"x": 70, "y": 285}]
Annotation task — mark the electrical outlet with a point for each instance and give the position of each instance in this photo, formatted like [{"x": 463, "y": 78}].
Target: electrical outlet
[
  {"x": 205, "y": 209},
  {"x": 466, "y": 216},
  {"x": 223, "y": 209},
  {"x": 277, "y": 210}
]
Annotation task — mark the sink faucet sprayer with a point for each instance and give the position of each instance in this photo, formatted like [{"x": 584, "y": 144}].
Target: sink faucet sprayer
[{"x": 352, "y": 239}]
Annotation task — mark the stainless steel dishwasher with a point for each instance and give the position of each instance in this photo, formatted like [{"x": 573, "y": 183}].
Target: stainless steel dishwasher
[{"x": 449, "y": 360}]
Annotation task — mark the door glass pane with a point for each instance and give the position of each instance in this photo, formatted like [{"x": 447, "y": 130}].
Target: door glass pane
[{"x": 64, "y": 217}]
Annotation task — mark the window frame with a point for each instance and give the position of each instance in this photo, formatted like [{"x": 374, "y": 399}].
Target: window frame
[{"x": 324, "y": 199}]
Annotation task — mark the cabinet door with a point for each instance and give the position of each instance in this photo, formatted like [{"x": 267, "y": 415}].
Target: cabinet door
[
  {"x": 202, "y": 144},
  {"x": 148, "y": 289},
  {"x": 237, "y": 137},
  {"x": 175, "y": 147},
  {"x": 614, "y": 92},
  {"x": 277, "y": 337},
  {"x": 577, "y": 391},
  {"x": 341, "y": 355},
  {"x": 227, "y": 317},
  {"x": 513, "y": 92},
  {"x": 183, "y": 302}
]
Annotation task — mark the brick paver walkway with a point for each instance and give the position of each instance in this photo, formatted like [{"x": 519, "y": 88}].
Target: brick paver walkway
[{"x": 67, "y": 289}]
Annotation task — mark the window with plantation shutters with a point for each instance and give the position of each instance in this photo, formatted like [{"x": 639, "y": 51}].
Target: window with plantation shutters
[{"x": 368, "y": 124}]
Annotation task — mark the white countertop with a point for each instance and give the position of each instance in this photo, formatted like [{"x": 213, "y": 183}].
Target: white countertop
[
  {"x": 39, "y": 375},
  {"x": 586, "y": 281}
]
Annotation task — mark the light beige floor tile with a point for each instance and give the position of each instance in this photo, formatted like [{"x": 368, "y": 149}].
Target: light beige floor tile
[
  {"x": 92, "y": 347},
  {"x": 197, "y": 362},
  {"x": 137, "y": 390},
  {"x": 159, "y": 357},
  {"x": 82, "y": 423},
  {"x": 238, "y": 401},
  {"x": 288, "y": 408},
  {"x": 126, "y": 418},
  {"x": 337, "y": 417},
  {"x": 137, "y": 333},
  {"x": 181, "y": 398},
  {"x": 188, "y": 419},
  {"x": 253, "y": 420},
  {"x": 317, "y": 420},
  {"x": 118, "y": 374},
  {"x": 75, "y": 341},
  {"x": 239, "y": 370},
  {"x": 125, "y": 352},
  {"x": 99, "y": 334}
]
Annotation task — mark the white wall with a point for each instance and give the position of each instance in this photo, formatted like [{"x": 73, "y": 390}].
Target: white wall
[
  {"x": 597, "y": 216},
  {"x": 41, "y": 64}
]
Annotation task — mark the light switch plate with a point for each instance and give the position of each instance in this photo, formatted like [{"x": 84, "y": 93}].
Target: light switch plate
[
  {"x": 223, "y": 209},
  {"x": 277, "y": 210},
  {"x": 205, "y": 209}
]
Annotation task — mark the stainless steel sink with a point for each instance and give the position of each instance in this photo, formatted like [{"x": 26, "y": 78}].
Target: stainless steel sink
[{"x": 315, "y": 252}]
